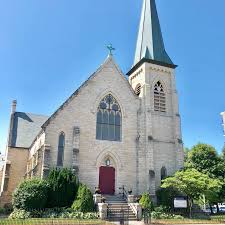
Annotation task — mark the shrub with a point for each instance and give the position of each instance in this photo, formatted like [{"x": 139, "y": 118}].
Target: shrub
[
  {"x": 84, "y": 200},
  {"x": 146, "y": 202},
  {"x": 79, "y": 215},
  {"x": 30, "y": 194},
  {"x": 53, "y": 214},
  {"x": 163, "y": 215},
  {"x": 20, "y": 214},
  {"x": 63, "y": 187},
  {"x": 8, "y": 208},
  {"x": 165, "y": 196},
  {"x": 2, "y": 211}
]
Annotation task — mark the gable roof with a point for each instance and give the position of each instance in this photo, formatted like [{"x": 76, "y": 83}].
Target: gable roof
[
  {"x": 24, "y": 128},
  {"x": 109, "y": 59}
]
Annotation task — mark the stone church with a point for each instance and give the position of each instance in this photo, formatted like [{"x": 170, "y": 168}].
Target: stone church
[{"x": 114, "y": 130}]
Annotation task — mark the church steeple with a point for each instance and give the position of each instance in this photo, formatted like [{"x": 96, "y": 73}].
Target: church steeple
[{"x": 150, "y": 43}]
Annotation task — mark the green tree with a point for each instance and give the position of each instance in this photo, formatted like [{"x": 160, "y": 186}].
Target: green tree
[
  {"x": 186, "y": 151},
  {"x": 84, "y": 200},
  {"x": 146, "y": 202},
  {"x": 204, "y": 158},
  {"x": 30, "y": 194},
  {"x": 165, "y": 196},
  {"x": 193, "y": 184},
  {"x": 223, "y": 153},
  {"x": 63, "y": 188}
]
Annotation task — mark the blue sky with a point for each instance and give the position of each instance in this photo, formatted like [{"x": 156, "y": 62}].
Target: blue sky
[{"x": 48, "y": 48}]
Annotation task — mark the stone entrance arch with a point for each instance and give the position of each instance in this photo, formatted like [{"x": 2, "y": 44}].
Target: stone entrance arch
[{"x": 108, "y": 165}]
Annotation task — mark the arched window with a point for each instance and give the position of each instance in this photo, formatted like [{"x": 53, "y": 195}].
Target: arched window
[
  {"x": 61, "y": 146},
  {"x": 138, "y": 89},
  {"x": 109, "y": 120},
  {"x": 163, "y": 173},
  {"x": 159, "y": 98}
]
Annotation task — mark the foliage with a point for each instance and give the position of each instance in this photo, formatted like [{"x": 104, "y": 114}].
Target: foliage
[
  {"x": 163, "y": 215},
  {"x": 84, "y": 200},
  {"x": 2, "y": 211},
  {"x": 186, "y": 151},
  {"x": 223, "y": 153},
  {"x": 146, "y": 202},
  {"x": 194, "y": 184},
  {"x": 8, "y": 208},
  {"x": 30, "y": 194},
  {"x": 63, "y": 187},
  {"x": 162, "y": 212},
  {"x": 20, "y": 214},
  {"x": 205, "y": 159},
  {"x": 165, "y": 196},
  {"x": 68, "y": 213},
  {"x": 52, "y": 213}
]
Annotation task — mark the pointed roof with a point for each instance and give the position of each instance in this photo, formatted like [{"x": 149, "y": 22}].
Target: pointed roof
[
  {"x": 109, "y": 59},
  {"x": 150, "y": 43}
]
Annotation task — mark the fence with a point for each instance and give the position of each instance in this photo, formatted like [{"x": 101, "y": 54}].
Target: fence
[
  {"x": 51, "y": 222},
  {"x": 121, "y": 215}
]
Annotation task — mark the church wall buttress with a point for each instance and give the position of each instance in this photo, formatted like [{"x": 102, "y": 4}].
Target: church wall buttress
[{"x": 159, "y": 131}]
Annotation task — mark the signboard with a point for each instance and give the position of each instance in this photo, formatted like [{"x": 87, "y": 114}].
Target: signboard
[{"x": 180, "y": 203}]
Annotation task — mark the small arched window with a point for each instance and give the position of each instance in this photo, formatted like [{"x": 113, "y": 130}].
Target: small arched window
[
  {"x": 138, "y": 89},
  {"x": 61, "y": 146},
  {"x": 109, "y": 120},
  {"x": 163, "y": 173},
  {"x": 159, "y": 98}
]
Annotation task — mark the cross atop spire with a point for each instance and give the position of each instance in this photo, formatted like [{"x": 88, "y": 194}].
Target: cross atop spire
[
  {"x": 150, "y": 43},
  {"x": 111, "y": 49}
]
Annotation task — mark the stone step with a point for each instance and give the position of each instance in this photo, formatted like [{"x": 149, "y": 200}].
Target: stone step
[
  {"x": 119, "y": 209},
  {"x": 117, "y": 203}
]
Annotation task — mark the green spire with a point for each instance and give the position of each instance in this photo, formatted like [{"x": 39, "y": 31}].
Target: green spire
[{"x": 150, "y": 41}]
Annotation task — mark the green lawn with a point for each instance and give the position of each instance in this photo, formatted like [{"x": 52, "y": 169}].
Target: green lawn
[
  {"x": 51, "y": 222},
  {"x": 213, "y": 220}
]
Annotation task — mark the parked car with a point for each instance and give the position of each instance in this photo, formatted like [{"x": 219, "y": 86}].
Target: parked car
[
  {"x": 208, "y": 210},
  {"x": 222, "y": 208}
]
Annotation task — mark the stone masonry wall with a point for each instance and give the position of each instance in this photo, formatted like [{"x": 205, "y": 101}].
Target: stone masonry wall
[
  {"x": 81, "y": 112},
  {"x": 14, "y": 171}
]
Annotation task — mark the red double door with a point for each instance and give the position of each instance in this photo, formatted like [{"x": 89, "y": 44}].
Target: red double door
[{"x": 107, "y": 180}]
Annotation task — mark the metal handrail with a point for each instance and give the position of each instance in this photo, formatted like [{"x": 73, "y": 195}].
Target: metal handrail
[{"x": 124, "y": 192}]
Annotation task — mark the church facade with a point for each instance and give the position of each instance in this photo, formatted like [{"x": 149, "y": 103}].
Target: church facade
[{"x": 113, "y": 131}]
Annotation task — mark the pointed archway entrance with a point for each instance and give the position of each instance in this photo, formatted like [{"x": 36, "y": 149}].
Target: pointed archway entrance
[{"x": 107, "y": 180}]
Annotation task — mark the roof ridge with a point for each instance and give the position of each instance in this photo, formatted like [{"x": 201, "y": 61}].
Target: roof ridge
[{"x": 32, "y": 113}]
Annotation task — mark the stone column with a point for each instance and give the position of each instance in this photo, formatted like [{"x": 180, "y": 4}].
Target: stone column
[
  {"x": 46, "y": 159},
  {"x": 97, "y": 198},
  {"x": 131, "y": 198},
  {"x": 139, "y": 211},
  {"x": 102, "y": 207}
]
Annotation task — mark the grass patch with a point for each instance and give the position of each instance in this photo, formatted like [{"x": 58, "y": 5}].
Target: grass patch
[
  {"x": 50, "y": 222},
  {"x": 189, "y": 221}
]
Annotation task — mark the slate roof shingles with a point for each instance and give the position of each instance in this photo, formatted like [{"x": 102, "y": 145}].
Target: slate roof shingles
[{"x": 26, "y": 126}]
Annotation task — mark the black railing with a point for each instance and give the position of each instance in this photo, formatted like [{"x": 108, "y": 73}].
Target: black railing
[
  {"x": 147, "y": 216},
  {"x": 121, "y": 215},
  {"x": 124, "y": 192}
]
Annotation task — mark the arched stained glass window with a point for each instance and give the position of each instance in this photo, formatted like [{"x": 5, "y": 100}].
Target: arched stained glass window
[
  {"x": 163, "y": 173},
  {"x": 61, "y": 146},
  {"x": 109, "y": 120},
  {"x": 159, "y": 98}
]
